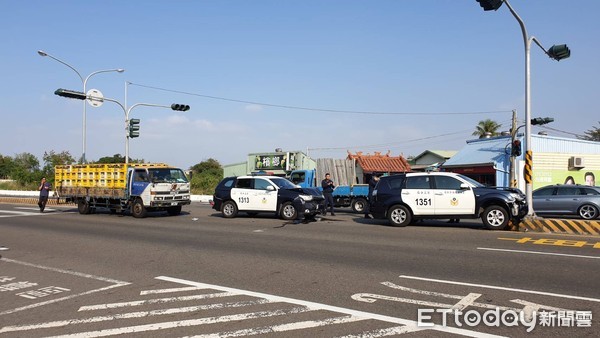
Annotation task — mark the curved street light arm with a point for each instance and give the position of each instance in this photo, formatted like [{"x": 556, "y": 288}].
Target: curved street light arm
[{"x": 42, "y": 53}]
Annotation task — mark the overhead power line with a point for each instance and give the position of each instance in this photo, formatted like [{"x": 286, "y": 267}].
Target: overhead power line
[{"x": 313, "y": 109}]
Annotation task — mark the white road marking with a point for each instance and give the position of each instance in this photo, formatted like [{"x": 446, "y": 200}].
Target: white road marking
[
  {"x": 317, "y": 306},
  {"x": 281, "y": 328},
  {"x": 391, "y": 331},
  {"x": 539, "y": 253},
  {"x": 153, "y": 292},
  {"x": 466, "y": 301},
  {"x": 140, "y": 314},
  {"x": 185, "y": 323},
  {"x": 154, "y": 301},
  {"x": 116, "y": 284},
  {"x": 439, "y": 294},
  {"x": 502, "y": 288}
]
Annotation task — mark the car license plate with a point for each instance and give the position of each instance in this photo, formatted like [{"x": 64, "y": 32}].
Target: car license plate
[{"x": 173, "y": 203}]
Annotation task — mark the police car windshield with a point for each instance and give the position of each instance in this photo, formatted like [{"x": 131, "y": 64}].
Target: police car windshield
[
  {"x": 283, "y": 183},
  {"x": 167, "y": 175},
  {"x": 472, "y": 181}
]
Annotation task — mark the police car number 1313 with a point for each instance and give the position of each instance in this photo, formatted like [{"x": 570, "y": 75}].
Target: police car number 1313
[{"x": 244, "y": 199}]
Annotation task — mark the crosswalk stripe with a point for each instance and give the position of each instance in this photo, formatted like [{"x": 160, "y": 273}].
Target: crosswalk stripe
[
  {"x": 391, "y": 331},
  {"x": 185, "y": 323},
  {"x": 140, "y": 314},
  {"x": 155, "y": 301},
  {"x": 282, "y": 327},
  {"x": 152, "y": 292}
]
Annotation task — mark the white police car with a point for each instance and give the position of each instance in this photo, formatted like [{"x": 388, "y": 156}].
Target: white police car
[
  {"x": 404, "y": 197},
  {"x": 254, "y": 194}
]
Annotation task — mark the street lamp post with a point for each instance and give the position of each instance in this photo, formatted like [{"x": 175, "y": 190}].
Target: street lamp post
[
  {"x": 84, "y": 82},
  {"x": 556, "y": 52},
  {"x": 83, "y": 96}
]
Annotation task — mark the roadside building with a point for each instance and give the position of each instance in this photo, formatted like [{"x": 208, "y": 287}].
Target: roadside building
[
  {"x": 282, "y": 163},
  {"x": 554, "y": 160},
  {"x": 430, "y": 159},
  {"x": 278, "y": 163},
  {"x": 368, "y": 165}
]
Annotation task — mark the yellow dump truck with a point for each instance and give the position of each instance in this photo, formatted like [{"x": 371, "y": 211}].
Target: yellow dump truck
[{"x": 120, "y": 187}]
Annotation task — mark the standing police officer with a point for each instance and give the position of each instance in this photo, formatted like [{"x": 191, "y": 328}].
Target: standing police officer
[{"x": 327, "y": 185}]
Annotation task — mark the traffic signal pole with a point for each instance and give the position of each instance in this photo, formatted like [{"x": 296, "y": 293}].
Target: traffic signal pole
[
  {"x": 556, "y": 52},
  {"x": 83, "y": 96}
]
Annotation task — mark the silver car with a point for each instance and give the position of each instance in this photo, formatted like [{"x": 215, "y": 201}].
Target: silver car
[{"x": 567, "y": 199}]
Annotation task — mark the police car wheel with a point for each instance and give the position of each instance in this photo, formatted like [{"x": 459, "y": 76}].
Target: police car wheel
[
  {"x": 399, "y": 216},
  {"x": 229, "y": 209},
  {"x": 495, "y": 217},
  {"x": 288, "y": 212}
]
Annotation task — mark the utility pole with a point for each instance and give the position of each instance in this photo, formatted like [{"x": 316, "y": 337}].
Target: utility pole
[{"x": 513, "y": 134}]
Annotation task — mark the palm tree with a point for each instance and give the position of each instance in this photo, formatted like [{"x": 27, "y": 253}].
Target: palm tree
[
  {"x": 591, "y": 135},
  {"x": 486, "y": 126}
]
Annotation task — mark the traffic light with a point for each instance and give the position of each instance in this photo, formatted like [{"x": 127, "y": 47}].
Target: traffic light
[
  {"x": 180, "y": 107},
  {"x": 134, "y": 128},
  {"x": 489, "y": 5},
  {"x": 70, "y": 94},
  {"x": 516, "y": 148},
  {"x": 559, "y": 52},
  {"x": 541, "y": 120}
]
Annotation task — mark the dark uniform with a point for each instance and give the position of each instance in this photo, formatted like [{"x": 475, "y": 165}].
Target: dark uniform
[{"x": 328, "y": 187}]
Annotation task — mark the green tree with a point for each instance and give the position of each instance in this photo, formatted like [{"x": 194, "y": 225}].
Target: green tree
[
  {"x": 486, "y": 126},
  {"x": 117, "y": 158},
  {"x": 6, "y": 166},
  {"x": 26, "y": 169},
  {"x": 591, "y": 135},
  {"x": 205, "y": 176},
  {"x": 52, "y": 159}
]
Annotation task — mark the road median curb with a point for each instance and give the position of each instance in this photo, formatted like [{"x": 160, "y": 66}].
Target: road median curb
[{"x": 554, "y": 225}]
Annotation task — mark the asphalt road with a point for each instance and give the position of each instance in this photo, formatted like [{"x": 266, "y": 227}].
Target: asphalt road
[{"x": 66, "y": 274}]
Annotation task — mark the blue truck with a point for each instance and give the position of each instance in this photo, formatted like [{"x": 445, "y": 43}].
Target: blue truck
[{"x": 349, "y": 191}]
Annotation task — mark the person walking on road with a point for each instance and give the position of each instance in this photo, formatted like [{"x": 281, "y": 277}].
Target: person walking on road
[
  {"x": 328, "y": 186},
  {"x": 44, "y": 189},
  {"x": 372, "y": 183}
]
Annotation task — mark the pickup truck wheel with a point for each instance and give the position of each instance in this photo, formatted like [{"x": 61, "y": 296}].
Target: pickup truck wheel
[
  {"x": 399, "y": 216},
  {"x": 229, "y": 209},
  {"x": 137, "y": 209},
  {"x": 588, "y": 211},
  {"x": 174, "y": 211},
  {"x": 359, "y": 205},
  {"x": 288, "y": 212},
  {"x": 495, "y": 217},
  {"x": 83, "y": 206}
]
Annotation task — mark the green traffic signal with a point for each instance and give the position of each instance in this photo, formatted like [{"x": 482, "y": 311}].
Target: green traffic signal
[
  {"x": 559, "y": 52},
  {"x": 489, "y": 5},
  {"x": 134, "y": 128}
]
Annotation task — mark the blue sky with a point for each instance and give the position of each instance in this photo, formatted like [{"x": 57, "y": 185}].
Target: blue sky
[{"x": 398, "y": 75}]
